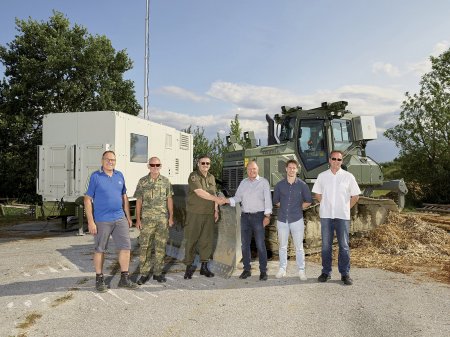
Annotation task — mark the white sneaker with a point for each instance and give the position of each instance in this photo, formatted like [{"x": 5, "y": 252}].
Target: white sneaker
[
  {"x": 302, "y": 275},
  {"x": 281, "y": 273}
]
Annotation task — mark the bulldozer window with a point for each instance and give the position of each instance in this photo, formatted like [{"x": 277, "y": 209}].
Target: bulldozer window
[
  {"x": 287, "y": 130},
  {"x": 342, "y": 134},
  {"x": 312, "y": 144}
]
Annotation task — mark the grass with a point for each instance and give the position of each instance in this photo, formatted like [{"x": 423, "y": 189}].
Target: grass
[
  {"x": 62, "y": 299},
  {"x": 29, "y": 320},
  {"x": 11, "y": 220}
]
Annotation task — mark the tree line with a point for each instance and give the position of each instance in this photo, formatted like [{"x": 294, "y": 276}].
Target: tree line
[{"x": 53, "y": 67}]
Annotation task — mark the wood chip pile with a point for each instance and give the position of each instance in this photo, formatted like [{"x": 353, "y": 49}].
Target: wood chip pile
[{"x": 405, "y": 244}]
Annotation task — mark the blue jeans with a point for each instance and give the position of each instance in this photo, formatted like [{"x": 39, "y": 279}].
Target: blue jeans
[
  {"x": 253, "y": 223},
  {"x": 328, "y": 226},
  {"x": 297, "y": 229}
]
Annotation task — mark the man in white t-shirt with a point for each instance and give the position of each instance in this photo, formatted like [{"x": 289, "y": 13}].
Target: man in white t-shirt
[{"x": 337, "y": 191}]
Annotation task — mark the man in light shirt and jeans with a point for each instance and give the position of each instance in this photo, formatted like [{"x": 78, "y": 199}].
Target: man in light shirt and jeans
[
  {"x": 254, "y": 195},
  {"x": 337, "y": 191},
  {"x": 291, "y": 195}
]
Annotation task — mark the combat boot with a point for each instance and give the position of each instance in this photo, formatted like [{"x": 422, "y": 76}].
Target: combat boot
[
  {"x": 205, "y": 271},
  {"x": 100, "y": 284},
  {"x": 125, "y": 282},
  {"x": 189, "y": 271}
]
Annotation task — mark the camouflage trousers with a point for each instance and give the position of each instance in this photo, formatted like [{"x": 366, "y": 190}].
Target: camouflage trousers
[{"x": 153, "y": 235}]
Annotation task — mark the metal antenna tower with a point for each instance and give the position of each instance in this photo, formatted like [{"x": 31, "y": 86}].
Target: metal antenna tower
[{"x": 146, "y": 60}]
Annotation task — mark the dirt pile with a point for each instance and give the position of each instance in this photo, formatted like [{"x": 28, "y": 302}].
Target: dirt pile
[{"x": 405, "y": 244}]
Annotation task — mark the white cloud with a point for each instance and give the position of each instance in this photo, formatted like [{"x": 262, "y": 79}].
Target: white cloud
[
  {"x": 252, "y": 103},
  {"x": 385, "y": 68},
  {"x": 251, "y": 97},
  {"x": 440, "y": 47},
  {"x": 417, "y": 68},
  {"x": 182, "y": 94}
]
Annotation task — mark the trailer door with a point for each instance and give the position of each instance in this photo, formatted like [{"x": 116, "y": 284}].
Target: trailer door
[{"x": 56, "y": 175}]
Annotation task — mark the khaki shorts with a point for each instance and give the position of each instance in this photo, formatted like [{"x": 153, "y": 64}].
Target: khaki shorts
[{"x": 119, "y": 231}]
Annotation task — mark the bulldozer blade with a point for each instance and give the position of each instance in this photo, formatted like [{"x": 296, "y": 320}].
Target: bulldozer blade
[
  {"x": 227, "y": 239},
  {"x": 227, "y": 253}
]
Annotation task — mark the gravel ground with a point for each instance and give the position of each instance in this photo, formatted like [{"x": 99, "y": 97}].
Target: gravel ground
[{"x": 47, "y": 289}]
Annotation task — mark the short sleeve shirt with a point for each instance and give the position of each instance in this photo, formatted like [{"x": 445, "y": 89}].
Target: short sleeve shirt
[
  {"x": 194, "y": 203},
  {"x": 336, "y": 190},
  {"x": 106, "y": 193},
  {"x": 154, "y": 195}
]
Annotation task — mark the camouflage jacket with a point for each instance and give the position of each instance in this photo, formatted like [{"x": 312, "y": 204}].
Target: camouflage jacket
[{"x": 154, "y": 196}]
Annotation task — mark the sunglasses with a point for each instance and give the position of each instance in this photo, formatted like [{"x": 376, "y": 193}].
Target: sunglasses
[
  {"x": 338, "y": 159},
  {"x": 205, "y": 163},
  {"x": 155, "y": 165}
]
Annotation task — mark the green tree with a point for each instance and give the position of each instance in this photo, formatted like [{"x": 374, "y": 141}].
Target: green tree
[
  {"x": 236, "y": 130},
  {"x": 423, "y": 135},
  {"x": 201, "y": 143},
  {"x": 215, "y": 148},
  {"x": 51, "y": 67}
]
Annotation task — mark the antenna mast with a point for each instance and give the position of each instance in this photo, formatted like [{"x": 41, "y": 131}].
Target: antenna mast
[{"x": 146, "y": 60}]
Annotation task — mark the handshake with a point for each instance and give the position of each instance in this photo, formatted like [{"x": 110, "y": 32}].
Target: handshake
[{"x": 221, "y": 201}]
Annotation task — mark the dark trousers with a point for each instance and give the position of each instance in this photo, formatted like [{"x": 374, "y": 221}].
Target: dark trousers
[
  {"x": 198, "y": 233},
  {"x": 252, "y": 223}
]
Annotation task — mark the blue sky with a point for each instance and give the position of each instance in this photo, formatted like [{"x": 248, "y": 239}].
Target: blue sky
[{"x": 211, "y": 59}]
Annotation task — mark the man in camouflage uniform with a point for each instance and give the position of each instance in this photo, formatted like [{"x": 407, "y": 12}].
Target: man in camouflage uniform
[
  {"x": 202, "y": 211},
  {"x": 154, "y": 205}
]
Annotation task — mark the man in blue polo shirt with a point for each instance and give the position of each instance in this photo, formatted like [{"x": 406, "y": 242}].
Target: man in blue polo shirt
[
  {"x": 291, "y": 195},
  {"x": 106, "y": 196}
]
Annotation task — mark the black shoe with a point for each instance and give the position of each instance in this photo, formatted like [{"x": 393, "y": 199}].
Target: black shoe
[
  {"x": 263, "y": 276},
  {"x": 205, "y": 271},
  {"x": 189, "y": 272},
  {"x": 245, "y": 274},
  {"x": 160, "y": 278},
  {"x": 125, "y": 282},
  {"x": 100, "y": 284},
  {"x": 323, "y": 277},
  {"x": 142, "y": 280},
  {"x": 347, "y": 280}
]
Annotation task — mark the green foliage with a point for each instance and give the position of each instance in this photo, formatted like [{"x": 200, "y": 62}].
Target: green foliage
[
  {"x": 236, "y": 130},
  {"x": 423, "y": 135},
  {"x": 392, "y": 170},
  {"x": 51, "y": 67},
  {"x": 215, "y": 148}
]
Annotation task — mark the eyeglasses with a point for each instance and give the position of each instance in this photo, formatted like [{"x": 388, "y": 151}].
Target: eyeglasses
[
  {"x": 205, "y": 163},
  {"x": 155, "y": 165},
  {"x": 338, "y": 159},
  {"x": 110, "y": 160}
]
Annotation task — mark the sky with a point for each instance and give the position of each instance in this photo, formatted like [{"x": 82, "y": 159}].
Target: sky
[{"x": 210, "y": 60}]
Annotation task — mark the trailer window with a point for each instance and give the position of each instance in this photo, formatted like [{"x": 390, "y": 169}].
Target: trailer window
[{"x": 138, "y": 148}]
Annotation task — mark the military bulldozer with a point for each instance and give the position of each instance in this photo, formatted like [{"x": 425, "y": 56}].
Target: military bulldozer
[{"x": 307, "y": 136}]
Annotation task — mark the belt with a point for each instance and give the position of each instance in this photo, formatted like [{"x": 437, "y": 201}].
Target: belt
[{"x": 252, "y": 213}]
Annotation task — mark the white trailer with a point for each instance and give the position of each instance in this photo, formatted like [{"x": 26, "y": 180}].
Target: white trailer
[{"x": 73, "y": 143}]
